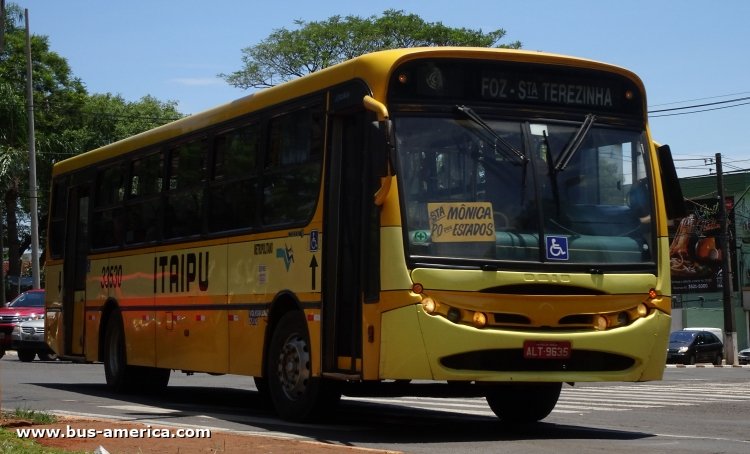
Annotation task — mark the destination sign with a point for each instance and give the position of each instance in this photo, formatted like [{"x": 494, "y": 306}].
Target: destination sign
[
  {"x": 501, "y": 87},
  {"x": 515, "y": 84},
  {"x": 461, "y": 221}
]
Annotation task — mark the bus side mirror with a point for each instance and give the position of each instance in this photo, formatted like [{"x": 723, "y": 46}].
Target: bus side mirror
[
  {"x": 382, "y": 140},
  {"x": 670, "y": 184},
  {"x": 381, "y": 146}
]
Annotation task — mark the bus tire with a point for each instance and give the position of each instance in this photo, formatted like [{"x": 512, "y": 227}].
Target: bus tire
[
  {"x": 296, "y": 395},
  {"x": 26, "y": 356},
  {"x": 522, "y": 403},
  {"x": 116, "y": 371},
  {"x": 264, "y": 395},
  {"x": 122, "y": 377}
]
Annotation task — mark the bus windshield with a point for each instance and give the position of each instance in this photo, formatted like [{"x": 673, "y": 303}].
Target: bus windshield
[{"x": 478, "y": 188}]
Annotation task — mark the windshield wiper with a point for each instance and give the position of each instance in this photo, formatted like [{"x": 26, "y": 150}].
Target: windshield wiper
[
  {"x": 575, "y": 143},
  {"x": 509, "y": 149}
]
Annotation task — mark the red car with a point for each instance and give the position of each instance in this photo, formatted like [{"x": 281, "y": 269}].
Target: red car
[{"x": 28, "y": 305}]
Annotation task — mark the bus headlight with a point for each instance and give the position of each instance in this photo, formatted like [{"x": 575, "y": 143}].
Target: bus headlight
[{"x": 480, "y": 319}]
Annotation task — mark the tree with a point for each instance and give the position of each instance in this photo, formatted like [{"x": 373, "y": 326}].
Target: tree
[
  {"x": 107, "y": 118},
  {"x": 53, "y": 84},
  {"x": 288, "y": 54},
  {"x": 68, "y": 121}
]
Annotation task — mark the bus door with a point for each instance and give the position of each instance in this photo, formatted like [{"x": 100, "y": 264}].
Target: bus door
[
  {"x": 74, "y": 270},
  {"x": 347, "y": 203}
]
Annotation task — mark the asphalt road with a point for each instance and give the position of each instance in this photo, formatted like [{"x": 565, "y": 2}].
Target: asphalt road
[{"x": 693, "y": 410}]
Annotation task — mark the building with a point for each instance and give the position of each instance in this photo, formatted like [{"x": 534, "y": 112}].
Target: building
[{"x": 696, "y": 253}]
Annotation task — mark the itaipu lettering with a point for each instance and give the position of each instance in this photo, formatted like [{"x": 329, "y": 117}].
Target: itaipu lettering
[{"x": 177, "y": 272}]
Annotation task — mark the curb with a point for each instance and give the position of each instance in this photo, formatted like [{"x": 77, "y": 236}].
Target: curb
[{"x": 706, "y": 366}]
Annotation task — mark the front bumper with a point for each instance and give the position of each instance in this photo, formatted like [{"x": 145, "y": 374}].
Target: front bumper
[{"x": 415, "y": 345}]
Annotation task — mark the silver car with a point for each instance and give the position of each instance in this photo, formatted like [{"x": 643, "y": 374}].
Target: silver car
[
  {"x": 743, "y": 357},
  {"x": 28, "y": 341}
]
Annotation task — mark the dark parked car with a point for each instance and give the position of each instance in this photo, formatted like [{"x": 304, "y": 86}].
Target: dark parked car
[{"x": 690, "y": 347}]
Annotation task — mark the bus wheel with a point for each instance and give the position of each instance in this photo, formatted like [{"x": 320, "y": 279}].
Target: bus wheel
[
  {"x": 26, "y": 356},
  {"x": 120, "y": 376},
  {"x": 295, "y": 393},
  {"x": 115, "y": 365},
  {"x": 523, "y": 402}
]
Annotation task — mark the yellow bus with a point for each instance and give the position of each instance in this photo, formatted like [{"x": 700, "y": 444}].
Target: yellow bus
[{"x": 480, "y": 221}]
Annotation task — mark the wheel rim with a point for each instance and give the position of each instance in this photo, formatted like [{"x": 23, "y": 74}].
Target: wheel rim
[{"x": 294, "y": 367}]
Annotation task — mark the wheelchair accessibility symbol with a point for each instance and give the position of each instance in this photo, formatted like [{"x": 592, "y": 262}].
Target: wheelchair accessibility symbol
[{"x": 557, "y": 247}]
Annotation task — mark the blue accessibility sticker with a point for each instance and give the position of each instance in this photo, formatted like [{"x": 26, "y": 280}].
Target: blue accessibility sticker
[{"x": 557, "y": 247}]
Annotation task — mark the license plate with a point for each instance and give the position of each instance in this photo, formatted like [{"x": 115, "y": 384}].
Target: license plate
[{"x": 546, "y": 349}]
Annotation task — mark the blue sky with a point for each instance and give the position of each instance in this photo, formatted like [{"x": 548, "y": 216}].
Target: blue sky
[{"x": 687, "y": 52}]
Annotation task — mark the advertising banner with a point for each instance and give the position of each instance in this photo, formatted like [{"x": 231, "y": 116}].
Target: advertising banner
[{"x": 697, "y": 247}]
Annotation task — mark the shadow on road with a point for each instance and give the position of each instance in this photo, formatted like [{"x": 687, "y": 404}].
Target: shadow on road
[{"x": 350, "y": 423}]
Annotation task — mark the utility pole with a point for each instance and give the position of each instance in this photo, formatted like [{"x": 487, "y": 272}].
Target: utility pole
[
  {"x": 730, "y": 334},
  {"x": 32, "y": 163},
  {"x": 2, "y": 25}
]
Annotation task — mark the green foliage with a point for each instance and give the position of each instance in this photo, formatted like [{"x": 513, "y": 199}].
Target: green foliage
[
  {"x": 10, "y": 443},
  {"x": 68, "y": 121},
  {"x": 287, "y": 54}
]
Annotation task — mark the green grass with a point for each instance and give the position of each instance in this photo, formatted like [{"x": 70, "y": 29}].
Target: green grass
[
  {"x": 11, "y": 444},
  {"x": 35, "y": 416}
]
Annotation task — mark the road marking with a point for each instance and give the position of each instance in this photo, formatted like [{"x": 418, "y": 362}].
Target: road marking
[
  {"x": 141, "y": 409},
  {"x": 587, "y": 399}
]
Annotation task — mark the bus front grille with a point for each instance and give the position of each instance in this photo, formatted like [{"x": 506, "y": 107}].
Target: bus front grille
[{"x": 512, "y": 360}]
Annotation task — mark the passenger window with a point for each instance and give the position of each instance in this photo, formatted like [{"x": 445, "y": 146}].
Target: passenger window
[
  {"x": 234, "y": 181},
  {"x": 184, "y": 203},
  {"x": 293, "y": 164},
  {"x": 146, "y": 175},
  {"x": 108, "y": 212},
  {"x": 57, "y": 221},
  {"x": 144, "y": 204}
]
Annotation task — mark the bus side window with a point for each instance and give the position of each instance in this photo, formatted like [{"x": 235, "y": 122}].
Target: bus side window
[
  {"x": 234, "y": 179},
  {"x": 293, "y": 164},
  {"x": 184, "y": 202},
  {"x": 57, "y": 222},
  {"x": 108, "y": 212},
  {"x": 143, "y": 205}
]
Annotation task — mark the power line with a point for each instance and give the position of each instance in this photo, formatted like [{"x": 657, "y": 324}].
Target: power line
[
  {"x": 697, "y": 111},
  {"x": 736, "y": 100},
  {"x": 701, "y": 105},
  {"x": 700, "y": 99}
]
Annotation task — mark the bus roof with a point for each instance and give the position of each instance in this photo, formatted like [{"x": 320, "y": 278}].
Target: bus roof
[{"x": 370, "y": 67}]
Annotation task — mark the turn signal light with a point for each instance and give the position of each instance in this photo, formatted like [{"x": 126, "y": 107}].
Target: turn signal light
[{"x": 429, "y": 305}]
